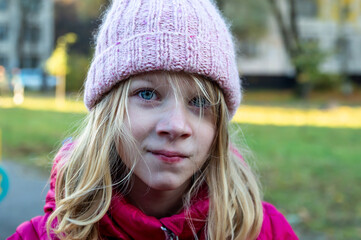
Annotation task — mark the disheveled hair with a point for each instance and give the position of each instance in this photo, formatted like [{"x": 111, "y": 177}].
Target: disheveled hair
[{"x": 92, "y": 168}]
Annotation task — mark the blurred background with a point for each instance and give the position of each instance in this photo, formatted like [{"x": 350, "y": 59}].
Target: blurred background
[{"x": 301, "y": 112}]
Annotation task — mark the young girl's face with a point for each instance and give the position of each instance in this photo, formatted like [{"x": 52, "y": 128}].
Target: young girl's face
[{"x": 171, "y": 136}]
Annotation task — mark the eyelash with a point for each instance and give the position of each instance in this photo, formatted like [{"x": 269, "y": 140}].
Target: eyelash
[
  {"x": 194, "y": 102},
  {"x": 204, "y": 102},
  {"x": 149, "y": 90}
]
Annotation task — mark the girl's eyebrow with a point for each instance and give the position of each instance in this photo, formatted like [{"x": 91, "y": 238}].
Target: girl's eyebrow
[
  {"x": 146, "y": 79},
  {"x": 147, "y": 83},
  {"x": 142, "y": 80},
  {"x": 147, "y": 76}
]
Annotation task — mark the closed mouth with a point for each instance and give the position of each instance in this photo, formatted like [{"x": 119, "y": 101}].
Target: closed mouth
[
  {"x": 169, "y": 157},
  {"x": 170, "y": 154}
]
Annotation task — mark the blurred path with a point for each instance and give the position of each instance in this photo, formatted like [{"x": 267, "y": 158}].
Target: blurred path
[{"x": 25, "y": 198}]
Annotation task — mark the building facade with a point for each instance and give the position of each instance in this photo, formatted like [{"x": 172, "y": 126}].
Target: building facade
[
  {"x": 26, "y": 33},
  {"x": 325, "y": 22}
]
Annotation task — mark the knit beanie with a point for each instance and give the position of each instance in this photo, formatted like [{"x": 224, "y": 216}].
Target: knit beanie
[{"x": 138, "y": 36}]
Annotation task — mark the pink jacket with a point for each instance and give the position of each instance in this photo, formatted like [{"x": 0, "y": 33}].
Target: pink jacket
[{"x": 124, "y": 221}]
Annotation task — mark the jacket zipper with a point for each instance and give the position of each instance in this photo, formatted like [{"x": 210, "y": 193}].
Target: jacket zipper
[{"x": 169, "y": 235}]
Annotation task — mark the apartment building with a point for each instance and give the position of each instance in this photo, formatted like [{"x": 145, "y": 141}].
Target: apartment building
[
  {"x": 26, "y": 33},
  {"x": 319, "y": 21}
]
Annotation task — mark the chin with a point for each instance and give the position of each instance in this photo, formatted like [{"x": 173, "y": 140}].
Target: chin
[{"x": 167, "y": 184}]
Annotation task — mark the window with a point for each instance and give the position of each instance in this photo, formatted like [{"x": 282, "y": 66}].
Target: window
[
  {"x": 249, "y": 48},
  {"x": 3, "y": 32},
  {"x": 307, "y": 8},
  {"x": 3, "y": 4},
  {"x": 342, "y": 45},
  {"x": 3, "y": 61},
  {"x": 311, "y": 40},
  {"x": 32, "y": 6},
  {"x": 32, "y": 34},
  {"x": 29, "y": 62}
]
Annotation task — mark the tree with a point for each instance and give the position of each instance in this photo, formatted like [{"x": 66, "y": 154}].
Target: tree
[
  {"x": 342, "y": 47},
  {"x": 57, "y": 64},
  {"x": 248, "y": 19},
  {"x": 287, "y": 23},
  {"x": 91, "y": 9},
  {"x": 79, "y": 17},
  {"x": 306, "y": 57}
]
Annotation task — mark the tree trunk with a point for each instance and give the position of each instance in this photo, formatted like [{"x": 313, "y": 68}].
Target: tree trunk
[
  {"x": 285, "y": 35},
  {"x": 291, "y": 41}
]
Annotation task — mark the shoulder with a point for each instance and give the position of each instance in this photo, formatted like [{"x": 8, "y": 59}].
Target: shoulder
[
  {"x": 275, "y": 225},
  {"x": 35, "y": 229},
  {"x": 59, "y": 160}
]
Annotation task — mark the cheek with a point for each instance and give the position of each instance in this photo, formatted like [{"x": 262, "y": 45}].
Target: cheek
[
  {"x": 139, "y": 124},
  {"x": 129, "y": 147},
  {"x": 206, "y": 138},
  {"x": 123, "y": 150},
  {"x": 136, "y": 131}
]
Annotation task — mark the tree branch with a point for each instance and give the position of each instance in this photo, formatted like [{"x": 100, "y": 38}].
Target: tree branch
[
  {"x": 293, "y": 26},
  {"x": 282, "y": 26}
]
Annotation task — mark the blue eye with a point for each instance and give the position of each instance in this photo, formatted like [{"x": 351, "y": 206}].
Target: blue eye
[
  {"x": 200, "y": 102},
  {"x": 146, "y": 94}
]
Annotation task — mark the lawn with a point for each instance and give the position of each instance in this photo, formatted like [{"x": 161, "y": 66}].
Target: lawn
[
  {"x": 312, "y": 174},
  {"x": 32, "y": 135}
]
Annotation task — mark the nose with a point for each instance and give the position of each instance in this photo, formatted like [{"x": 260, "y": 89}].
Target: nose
[{"x": 174, "y": 123}]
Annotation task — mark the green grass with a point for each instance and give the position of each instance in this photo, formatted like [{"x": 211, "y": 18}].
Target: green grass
[
  {"x": 287, "y": 98},
  {"x": 312, "y": 174},
  {"x": 32, "y": 136}
]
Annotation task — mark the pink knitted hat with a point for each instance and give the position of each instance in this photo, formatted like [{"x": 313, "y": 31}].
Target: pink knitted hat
[{"x": 140, "y": 36}]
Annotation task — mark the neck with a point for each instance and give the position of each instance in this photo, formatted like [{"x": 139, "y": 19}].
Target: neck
[{"x": 156, "y": 203}]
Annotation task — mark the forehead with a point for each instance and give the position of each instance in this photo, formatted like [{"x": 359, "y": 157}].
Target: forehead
[{"x": 175, "y": 81}]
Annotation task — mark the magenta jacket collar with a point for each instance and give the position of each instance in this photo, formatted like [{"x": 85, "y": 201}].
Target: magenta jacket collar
[{"x": 125, "y": 221}]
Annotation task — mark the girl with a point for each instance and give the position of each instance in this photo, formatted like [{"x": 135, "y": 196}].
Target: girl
[{"x": 153, "y": 160}]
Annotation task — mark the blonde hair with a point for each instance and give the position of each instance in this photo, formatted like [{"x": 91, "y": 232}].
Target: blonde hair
[{"x": 92, "y": 167}]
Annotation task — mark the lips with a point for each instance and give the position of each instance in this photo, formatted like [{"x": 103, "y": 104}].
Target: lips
[{"x": 169, "y": 156}]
